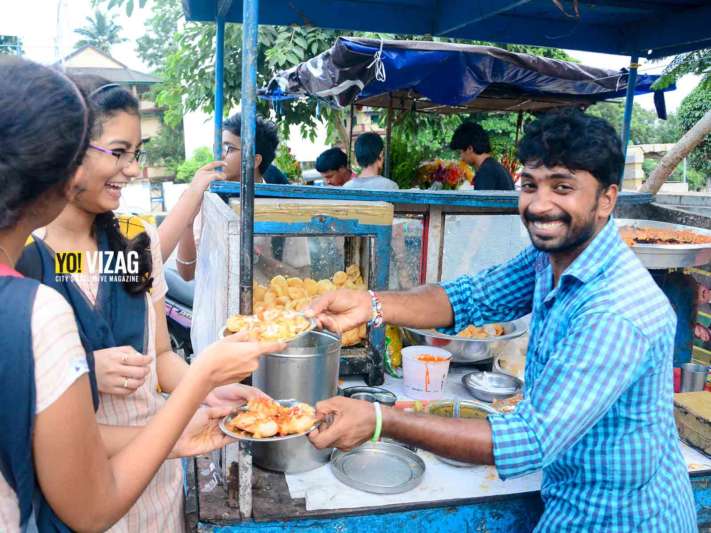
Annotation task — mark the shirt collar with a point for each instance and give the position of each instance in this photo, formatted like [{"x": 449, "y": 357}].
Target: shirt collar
[{"x": 596, "y": 255}]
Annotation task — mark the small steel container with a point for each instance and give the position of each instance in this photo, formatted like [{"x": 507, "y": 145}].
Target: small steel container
[
  {"x": 370, "y": 394},
  {"x": 490, "y": 386}
]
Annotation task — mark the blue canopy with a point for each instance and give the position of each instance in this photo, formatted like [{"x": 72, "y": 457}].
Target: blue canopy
[
  {"x": 645, "y": 28},
  {"x": 427, "y": 75}
]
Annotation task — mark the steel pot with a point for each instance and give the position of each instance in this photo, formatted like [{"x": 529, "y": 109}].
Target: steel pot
[{"x": 306, "y": 371}]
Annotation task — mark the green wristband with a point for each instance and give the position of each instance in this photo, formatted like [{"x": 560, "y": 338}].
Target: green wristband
[{"x": 378, "y": 422}]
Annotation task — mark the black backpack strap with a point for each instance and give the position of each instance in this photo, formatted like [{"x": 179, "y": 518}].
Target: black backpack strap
[{"x": 30, "y": 262}]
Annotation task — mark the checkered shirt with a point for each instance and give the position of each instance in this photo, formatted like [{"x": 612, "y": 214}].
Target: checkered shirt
[{"x": 597, "y": 410}]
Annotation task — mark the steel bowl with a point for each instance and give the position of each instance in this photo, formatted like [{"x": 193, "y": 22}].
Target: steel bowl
[
  {"x": 490, "y": 386},
  {"x": 460, "y": 409},
  {"x": 463, "y": 350},
  {"x": 370, "y": 394}
]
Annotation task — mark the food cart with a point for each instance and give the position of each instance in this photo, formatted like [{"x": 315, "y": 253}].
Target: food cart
[{"x": 265, "y": 500}]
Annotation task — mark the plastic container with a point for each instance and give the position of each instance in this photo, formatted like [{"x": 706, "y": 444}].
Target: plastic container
[{"x": 422, "y": 379}]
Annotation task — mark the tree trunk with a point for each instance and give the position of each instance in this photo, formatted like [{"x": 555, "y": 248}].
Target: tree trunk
[{"x": 679, "y": 151}]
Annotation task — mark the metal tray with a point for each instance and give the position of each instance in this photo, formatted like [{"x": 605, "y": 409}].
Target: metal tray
[
  {"x": 243, "y": 435},
  {"x": 664, "y": 256},
  {"x": 378, "y": 467}
]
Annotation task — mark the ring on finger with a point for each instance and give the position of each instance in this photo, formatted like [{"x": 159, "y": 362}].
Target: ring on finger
[{"x": 125, "y": 383}]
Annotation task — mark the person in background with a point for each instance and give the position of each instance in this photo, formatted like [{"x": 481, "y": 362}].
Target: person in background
[
  {"x": 181, "y": 218},
  {"x": 268, "y": 252},
  {"x": 475, "y": 149},
  {"x": 333, "y": 166},
  {"x": 275, "y": 176},
  {"x": 369, "y": 154}
]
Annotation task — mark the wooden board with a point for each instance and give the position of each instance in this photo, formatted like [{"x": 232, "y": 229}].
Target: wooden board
[
  {"x": 300, "y": 210},
  {"x": 692, "y": 412}
]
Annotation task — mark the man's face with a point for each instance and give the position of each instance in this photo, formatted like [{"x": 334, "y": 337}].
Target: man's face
[
  {"x": 336, "y": 178},
  {"x": 232, "y": 155},
  {"x": 467, "y": 155},
  {"x": 563, "y": 209}
]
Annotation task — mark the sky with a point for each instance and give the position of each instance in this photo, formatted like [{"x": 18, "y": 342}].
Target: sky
[{"x": 45, "y": 40}]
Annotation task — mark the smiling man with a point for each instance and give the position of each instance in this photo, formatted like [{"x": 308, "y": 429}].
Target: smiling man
[{"x": 596, "y": 416}]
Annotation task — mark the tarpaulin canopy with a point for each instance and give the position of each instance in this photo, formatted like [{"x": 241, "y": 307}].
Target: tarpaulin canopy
[
  {"x": 446, "y": 77},
  {"x": 645, "y": 28}
]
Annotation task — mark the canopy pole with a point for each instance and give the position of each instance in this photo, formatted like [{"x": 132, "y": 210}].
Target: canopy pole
[
  {"x": 247, "y": 136},
  {"x": 629, "y": 102},
  {"x": 250, "y": 33},
  {"x": 519, "y": 123},
  {"x": 219, "y": 85},
  {"x": 350, "y": 136},
  {"x": 388, "y": 137}
]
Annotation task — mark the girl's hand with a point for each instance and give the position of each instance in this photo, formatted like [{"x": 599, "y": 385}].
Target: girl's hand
[
  {"x": 233, "y": 395},
  {"x": 231, "y": 359},
  {"x": 121, "y": 370},
  {"x": 202, "y": 434}
]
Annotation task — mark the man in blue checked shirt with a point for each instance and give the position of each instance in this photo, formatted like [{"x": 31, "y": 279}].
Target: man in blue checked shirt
[{"x": 596, "y": 415}]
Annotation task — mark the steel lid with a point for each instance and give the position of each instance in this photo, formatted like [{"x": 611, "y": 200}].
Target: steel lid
[{"x": 378, "y": 467}]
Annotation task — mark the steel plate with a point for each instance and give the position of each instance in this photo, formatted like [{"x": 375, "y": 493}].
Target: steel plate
[
  {"x": 664, "y": 256},
  {"x": 243, "y": 435},
  {"x": 378, "y": 467}
]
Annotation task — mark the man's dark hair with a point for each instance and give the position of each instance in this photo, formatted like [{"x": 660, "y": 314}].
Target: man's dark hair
[
  {"x": 471, "y": 134},
  {"x": 331, "y": 159},
  {"x": 368, "y": 148},
  {"x": 44, "y": 121},
  {"x": 576, "y": 141},
  {"x": 266, "y": 139}
]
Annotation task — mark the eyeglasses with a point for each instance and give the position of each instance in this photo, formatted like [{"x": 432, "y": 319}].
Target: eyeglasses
[
  {"x": 228, "y": 149},
  {"x": 123, "y": 157}
]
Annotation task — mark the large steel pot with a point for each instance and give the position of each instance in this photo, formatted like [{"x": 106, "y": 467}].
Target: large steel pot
[{"x": 306, "y": 371}]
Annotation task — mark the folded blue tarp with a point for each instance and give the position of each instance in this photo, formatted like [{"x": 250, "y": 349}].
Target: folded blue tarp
[{"x": 446, "y": 74}]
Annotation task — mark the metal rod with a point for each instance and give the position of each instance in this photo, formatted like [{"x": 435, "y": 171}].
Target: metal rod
[
  {"x": 250, "y": 32},
  {"x": 219, "y": 85},
  {"x": 247, "y": 135},
  {"x": 629, "y": 102},
  {"x": 350, "y": 136},
  {"x": 388, "y": 137},
  {"x": 519, "y": 123}
]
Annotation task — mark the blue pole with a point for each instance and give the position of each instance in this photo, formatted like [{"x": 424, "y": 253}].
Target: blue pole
[
  {"x": 629, "y": 101},
  {"x": 250, "y": 27},
  {"x": 219, "y": 85}
]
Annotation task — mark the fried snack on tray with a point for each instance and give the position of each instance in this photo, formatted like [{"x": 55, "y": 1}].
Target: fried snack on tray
[
  {"x": 632, "y": 236},
  {"x": 270, "y": 325},
  {"x": 474, "y": 332},
  {"x": 295, "y": 294},
  {"x": 266, "y": 418}
]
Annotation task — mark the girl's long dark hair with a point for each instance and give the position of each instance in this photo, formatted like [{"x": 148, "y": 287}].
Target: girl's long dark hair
[
  {"x": 44, "y": 123},
  {"x": 107, "y": 100}
]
